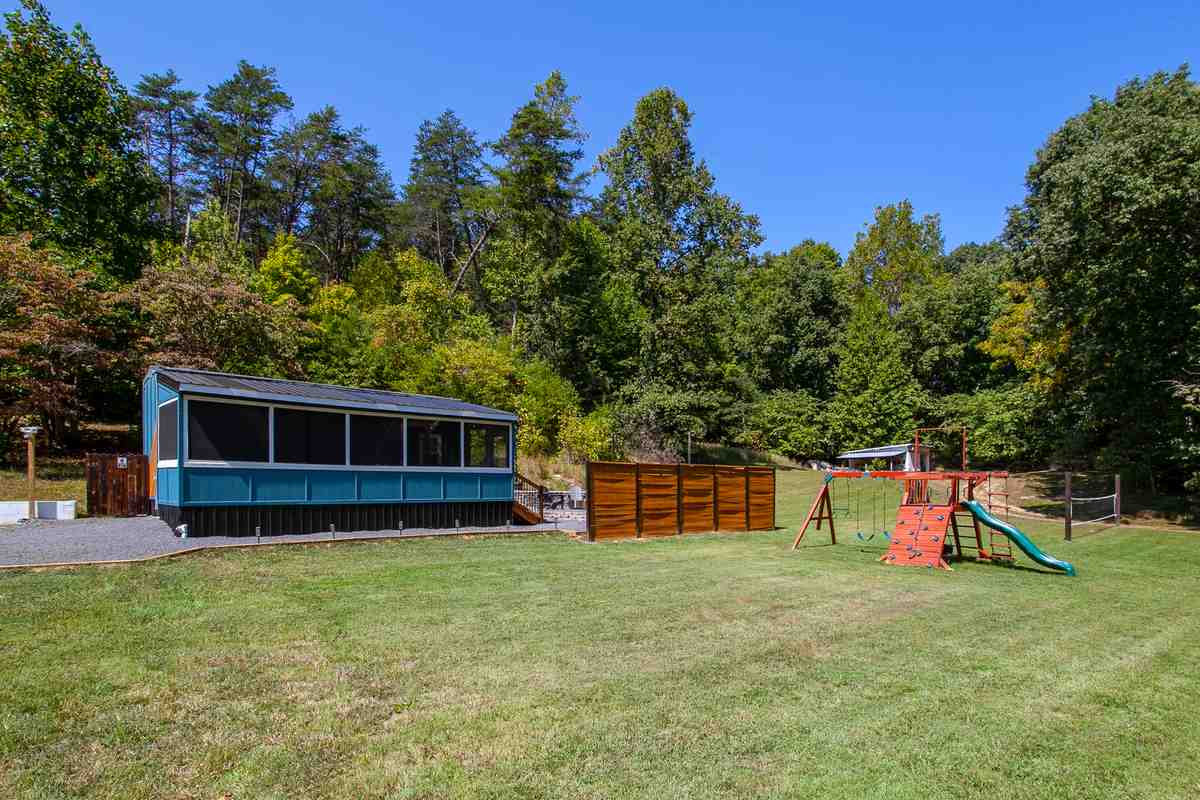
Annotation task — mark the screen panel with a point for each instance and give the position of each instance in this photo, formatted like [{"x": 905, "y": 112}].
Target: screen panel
[
  {"x": 168, "y": 431},
  {"x": 376, "y": 441},
  {"x": 487, "y": 445},
  {"x": 227, "y": 431},
  {"x": 309, "y": 437},
  {"x": 434, "y": 444}
]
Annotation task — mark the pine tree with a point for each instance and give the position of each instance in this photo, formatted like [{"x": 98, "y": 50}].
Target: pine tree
[
  {"x": 538, "y": 185},
  {"x": 164, "y": 115},
  {"x": 877, "y": 399},
  {"x": 439, "y": 216}
]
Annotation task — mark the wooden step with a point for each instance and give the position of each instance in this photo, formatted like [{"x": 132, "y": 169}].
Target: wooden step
[{"x": 525, "y": 515}]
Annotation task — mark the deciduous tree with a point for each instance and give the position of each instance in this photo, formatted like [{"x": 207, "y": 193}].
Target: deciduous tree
[
  {"x": 683, "y": 243},
  {"x": 895, "y": 254},
  {"x": 71, "y": 173},
  {"x": 1106, "y": 239},
  {"x": 52, "y": 337},
  {"x": 788, "y": 316},
  {"x": 199, "y": 315}
]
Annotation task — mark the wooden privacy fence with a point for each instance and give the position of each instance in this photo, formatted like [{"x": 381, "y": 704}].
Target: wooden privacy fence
[
  {"x": 643, "y": 500},
  {"x": 118, "y": 485}
]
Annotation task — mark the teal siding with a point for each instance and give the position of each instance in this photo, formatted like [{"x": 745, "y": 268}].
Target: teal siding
[
  {"x": 270, "y": 485},
  {"x": 330, "y": 487},
  {"x": 148, "y": 417},
  {"x": 252, "y": 485},
  {"x": 166, "y": 487},
  {"x": 462, "y": 487},
  {"x": 380, "y": 486},
  {"x": 282, "y": 486},
  {"x": 153, "y": 393},
  {"x": 495, "y": 487},
  {"x": 216, "y": 486},
  {"x": 423, "y": 486}
]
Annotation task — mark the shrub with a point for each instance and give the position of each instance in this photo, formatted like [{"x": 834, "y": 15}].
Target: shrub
[{"x": 589, "y": 438}]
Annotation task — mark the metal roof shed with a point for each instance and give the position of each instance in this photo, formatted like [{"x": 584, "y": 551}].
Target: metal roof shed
[{"x": 898, "y": 456}]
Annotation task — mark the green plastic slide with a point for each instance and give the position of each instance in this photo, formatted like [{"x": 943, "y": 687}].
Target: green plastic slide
[{"x": 1021, "y": 540}]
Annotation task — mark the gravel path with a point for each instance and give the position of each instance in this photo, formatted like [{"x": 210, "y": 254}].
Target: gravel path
[{"x": 118, "y": 539}]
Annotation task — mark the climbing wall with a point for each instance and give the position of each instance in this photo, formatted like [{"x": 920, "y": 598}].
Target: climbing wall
[{"x": 919, "y": 536}]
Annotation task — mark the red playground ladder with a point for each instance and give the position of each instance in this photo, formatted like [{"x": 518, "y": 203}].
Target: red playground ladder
[{"x": 919, "y": 537}]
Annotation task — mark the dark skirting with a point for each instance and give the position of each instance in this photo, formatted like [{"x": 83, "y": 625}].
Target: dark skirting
[{"x": 277, "y": 520}]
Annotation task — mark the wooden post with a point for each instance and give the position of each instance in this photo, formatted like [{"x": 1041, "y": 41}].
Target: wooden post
[
  {"x": 716, "y": 502},
  {"x": 1067, "y": 516},
  {"x": 746, "y": 475},
  {"x": 31, "y": 455},
  {"x": 637, "y": 496},
  {"x": 1117, "y": 503},
  {"x": 772, "y": 498},
  {"x": 829, "y": 510},
  {"x": 678, "y": 499},
  {"x": 589, "y": 507}
]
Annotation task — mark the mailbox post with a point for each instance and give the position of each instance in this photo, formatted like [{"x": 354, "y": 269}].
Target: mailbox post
[{"x": 30, "y": 433}]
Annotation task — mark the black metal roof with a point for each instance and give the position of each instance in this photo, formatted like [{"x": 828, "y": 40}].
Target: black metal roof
[{"x": 248, "y": 387}]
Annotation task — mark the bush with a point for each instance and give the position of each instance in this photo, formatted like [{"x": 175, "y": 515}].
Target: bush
[
  {"x": 544, "y": 400},
  {"x": 589, "y": 438}
]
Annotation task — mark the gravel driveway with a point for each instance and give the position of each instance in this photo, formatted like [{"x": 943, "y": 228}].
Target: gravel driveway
[{"x": 118, "y": 539}]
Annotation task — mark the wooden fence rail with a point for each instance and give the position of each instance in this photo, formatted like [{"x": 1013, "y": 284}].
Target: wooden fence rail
[
  {"x": 118, "y": 485},
  {"x": 643, "y": 500}
]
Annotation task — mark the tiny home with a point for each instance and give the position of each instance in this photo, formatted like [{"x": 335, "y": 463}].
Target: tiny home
[{"x": 235, "y": 455}]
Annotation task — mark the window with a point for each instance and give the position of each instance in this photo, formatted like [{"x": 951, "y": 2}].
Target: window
[
  {"x": 376, "y": 441},
  {"x": 487, "y": 445},
  {"x": 168, "y": 431},
  {"x": 434, "y": 444},
  {"x": 309, "y": 437},
  {"x": 227, "y": 431}
]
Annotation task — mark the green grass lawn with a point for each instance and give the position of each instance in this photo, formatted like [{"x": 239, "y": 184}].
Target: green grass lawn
[{"x": 536, "y": 666}]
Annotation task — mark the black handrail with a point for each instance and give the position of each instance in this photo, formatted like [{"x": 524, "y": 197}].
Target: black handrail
[{"x": 531, "y": 496}]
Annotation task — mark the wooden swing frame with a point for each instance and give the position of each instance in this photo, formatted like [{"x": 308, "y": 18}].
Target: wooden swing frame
[
  {"x": 916, "y": 485},
  {"x": 821, "y": 508}
]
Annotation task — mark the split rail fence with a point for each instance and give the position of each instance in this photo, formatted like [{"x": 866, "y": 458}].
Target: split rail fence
[{"x": 626, "y": 501}]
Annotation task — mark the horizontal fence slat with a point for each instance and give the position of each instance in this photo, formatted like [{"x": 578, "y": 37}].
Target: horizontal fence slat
[
  {"x": 762, "y": 499},
  {"x": 651, "y": 500},
  {"x": 731, "y": 508}
]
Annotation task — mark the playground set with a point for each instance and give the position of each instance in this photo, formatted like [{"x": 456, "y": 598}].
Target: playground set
[{"x": 939, "y": 517}]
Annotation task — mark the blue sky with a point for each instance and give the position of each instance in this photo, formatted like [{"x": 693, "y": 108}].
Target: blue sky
[{"x": 808, "y": 118}]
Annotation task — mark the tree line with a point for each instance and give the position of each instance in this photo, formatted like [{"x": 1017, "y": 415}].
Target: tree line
[{"x": 216, "y": 229}]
